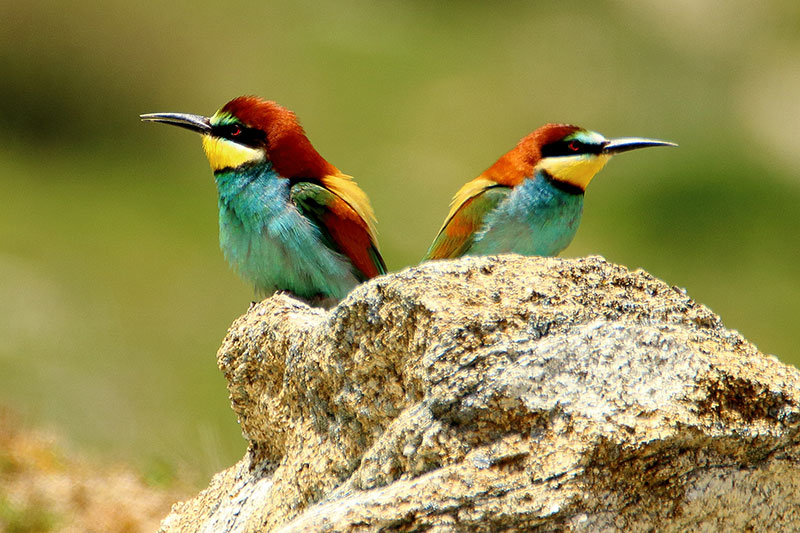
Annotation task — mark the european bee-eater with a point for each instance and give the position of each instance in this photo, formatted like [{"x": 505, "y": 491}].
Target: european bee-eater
[
  {"x": 288, "y": 219},
  {"x": 530, "y": 201}
]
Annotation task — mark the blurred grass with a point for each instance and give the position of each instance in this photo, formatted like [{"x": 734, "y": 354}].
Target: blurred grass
[{"x": 114, "y": 296}]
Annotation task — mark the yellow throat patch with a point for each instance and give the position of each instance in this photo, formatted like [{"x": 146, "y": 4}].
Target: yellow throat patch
[
  {"x": 577, "y": 170},
  {"x": 222, "y": 153}
]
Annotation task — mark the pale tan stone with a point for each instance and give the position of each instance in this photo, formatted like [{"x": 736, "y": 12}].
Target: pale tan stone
[{"x": 504, "y": 393}]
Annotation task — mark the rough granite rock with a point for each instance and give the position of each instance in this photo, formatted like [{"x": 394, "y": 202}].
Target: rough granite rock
[{"x": 504, "y": 393}]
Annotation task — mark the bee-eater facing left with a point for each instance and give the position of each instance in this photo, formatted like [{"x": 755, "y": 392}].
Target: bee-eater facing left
[
  {"x": 288, "y": 219},
  {"x": 530, "y": 201}
]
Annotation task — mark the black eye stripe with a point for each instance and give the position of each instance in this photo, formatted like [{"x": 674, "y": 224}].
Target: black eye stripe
[
  {"x": 239, "y": 133},
  {"x": 572, "y": 147}
]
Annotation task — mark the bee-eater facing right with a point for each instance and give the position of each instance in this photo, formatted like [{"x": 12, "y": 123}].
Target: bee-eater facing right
[{"x": 531, "y": 200}]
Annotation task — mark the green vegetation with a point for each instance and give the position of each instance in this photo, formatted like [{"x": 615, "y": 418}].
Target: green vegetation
[
  {"x": 26, "y": 518},
  {"x": 114, "y": 296}
]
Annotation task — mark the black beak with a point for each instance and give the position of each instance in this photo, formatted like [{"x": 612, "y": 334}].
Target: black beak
[
  {"x": 617, "y": 146},
  {"x": 197, "y": 123}
]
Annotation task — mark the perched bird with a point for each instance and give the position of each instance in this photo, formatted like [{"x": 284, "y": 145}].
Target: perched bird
[
  {"x": 530, "y": 201},
  {"x": 288, "y": 219}
]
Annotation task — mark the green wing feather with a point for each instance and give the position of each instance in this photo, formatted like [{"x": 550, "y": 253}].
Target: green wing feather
[
  {"x": 465, "y": 220},
  {"x": 342, "y": 229}
]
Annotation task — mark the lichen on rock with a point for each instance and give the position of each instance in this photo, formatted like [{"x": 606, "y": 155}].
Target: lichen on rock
[{"x": 497, "y": 393}]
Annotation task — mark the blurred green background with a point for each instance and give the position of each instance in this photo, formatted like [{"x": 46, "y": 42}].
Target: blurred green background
[{"x": 114, "y": 296}]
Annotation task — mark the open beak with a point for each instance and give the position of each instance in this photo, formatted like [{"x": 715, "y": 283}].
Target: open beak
[
  {"x": 617, "y": 146},
  {"x": 197, "y": 123}
]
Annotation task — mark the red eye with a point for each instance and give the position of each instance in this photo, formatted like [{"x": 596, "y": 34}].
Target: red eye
[
  {"x": 236, "y": 131},
  {"x": 574, "y": 146}
]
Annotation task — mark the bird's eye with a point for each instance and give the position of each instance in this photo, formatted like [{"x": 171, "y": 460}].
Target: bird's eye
[
  {"x": 240, "y": 134},
  {"x": 570, "y": 147}
]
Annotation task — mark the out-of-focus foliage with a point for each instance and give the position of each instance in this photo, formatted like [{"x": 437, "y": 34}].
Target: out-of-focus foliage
[{"x": 114, "y": 295}]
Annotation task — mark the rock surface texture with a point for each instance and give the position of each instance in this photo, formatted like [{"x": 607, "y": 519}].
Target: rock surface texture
[{"x": 504, "y": 393}]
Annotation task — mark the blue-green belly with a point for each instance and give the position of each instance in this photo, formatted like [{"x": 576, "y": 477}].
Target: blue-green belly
[
  {"x": 537, "y": 218},
  {"x": 269, "y": 243}
]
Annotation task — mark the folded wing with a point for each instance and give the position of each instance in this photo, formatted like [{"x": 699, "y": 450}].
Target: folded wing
[
  {"x": 343, "y": 228},
  {"x": 468, "y": 209}
]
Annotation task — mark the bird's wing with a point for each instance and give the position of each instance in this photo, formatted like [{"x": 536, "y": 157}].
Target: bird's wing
[
  {"x": 342, "y": 228},
  {"x": 467, "y": 211}
]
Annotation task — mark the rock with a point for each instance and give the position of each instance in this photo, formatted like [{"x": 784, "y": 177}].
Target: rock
[{"x": 503, "y": 393}]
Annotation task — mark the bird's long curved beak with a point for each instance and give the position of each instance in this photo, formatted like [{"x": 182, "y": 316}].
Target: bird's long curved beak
[
  {"x": 617, "y": 146},
  {"x": 197, "y": 123}
]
